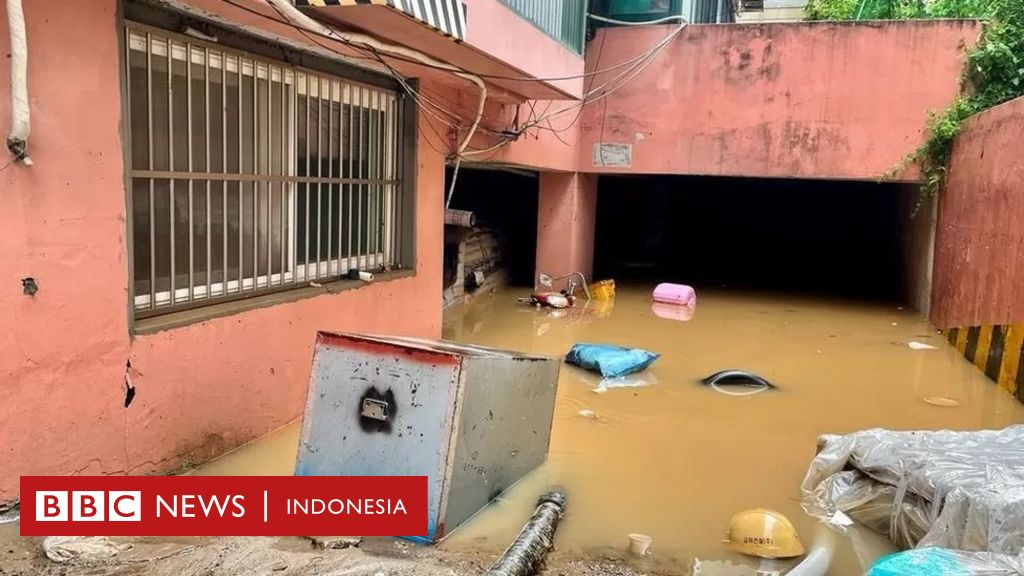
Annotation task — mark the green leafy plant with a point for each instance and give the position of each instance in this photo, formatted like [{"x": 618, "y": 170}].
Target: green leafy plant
[
  {"x": 894, "y": 9},
  {"x": 831, "y": 9},
  {"x": 993, "y": 74}
]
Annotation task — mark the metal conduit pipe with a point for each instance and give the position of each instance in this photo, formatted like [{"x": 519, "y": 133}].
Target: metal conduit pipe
[
  {"x": 526, "y": 553},
  {"x": 17, "y": 140}
]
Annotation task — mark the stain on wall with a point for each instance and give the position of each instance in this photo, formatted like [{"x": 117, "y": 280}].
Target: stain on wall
[{"x": 815, "y": 100}]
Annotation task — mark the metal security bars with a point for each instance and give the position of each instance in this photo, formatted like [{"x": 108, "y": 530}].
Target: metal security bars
[{"x": 249, "y": 176}]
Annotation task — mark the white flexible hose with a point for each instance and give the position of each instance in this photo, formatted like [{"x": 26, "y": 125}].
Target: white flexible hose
[
  {"x": 673, "y": 18},
  {"x": 20, "y": 126},
  {"x": 299, "y": 19}
]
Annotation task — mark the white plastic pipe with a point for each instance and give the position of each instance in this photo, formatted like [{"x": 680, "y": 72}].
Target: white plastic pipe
[{"x": 17, "y": 140}]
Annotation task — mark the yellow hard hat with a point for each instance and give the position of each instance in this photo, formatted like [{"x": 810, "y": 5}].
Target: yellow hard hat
[{"x": 765, "y": 534}]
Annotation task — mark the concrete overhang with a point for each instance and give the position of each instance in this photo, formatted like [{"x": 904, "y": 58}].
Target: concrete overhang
[{"x": 395, "y": 26}]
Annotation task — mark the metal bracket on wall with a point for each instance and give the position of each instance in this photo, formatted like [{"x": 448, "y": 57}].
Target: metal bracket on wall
[{"x": 375, "y": 409}]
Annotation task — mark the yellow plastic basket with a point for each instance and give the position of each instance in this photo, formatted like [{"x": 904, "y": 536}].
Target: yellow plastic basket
[{"x": 603, "y": 290}]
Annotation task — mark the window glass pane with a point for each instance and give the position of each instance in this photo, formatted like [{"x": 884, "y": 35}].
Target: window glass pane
[
  {"x": 140, "y": 234},
  {"x": 160, "y": 110},
  {"x": 138, "y": 89}
]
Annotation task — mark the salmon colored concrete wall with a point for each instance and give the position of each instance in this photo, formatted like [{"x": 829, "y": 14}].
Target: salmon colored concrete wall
[
  {"x": 552, "y": 145},
  {"x": 495, "y": 29},
  {"x": 812, "y": 100},
  {"x": 979, "y": 271},
  {"x": 201, "y": 389},
  {"x": 567, "y": 209}
]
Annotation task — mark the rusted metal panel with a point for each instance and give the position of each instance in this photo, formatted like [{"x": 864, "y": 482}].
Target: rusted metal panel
[
  {"x": 473, "y": 420},
  {"x": 979, "y": 263}
]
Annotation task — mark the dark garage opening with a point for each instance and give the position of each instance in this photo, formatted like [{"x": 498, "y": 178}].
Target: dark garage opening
[
  {"x": 503, "y": 244},
  {"x": 835, "y": 238}
]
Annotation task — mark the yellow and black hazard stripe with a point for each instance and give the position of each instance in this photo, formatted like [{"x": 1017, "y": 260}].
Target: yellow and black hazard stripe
[
  {"x": 996, "y": 350},
  {"x": 446, "y": 16}
]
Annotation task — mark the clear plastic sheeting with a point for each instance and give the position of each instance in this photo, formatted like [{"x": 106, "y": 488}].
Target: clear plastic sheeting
[{"x": 954, "y": 490}]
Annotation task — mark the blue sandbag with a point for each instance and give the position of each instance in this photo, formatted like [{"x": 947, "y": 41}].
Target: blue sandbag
[{"x": 610, "y": 361}]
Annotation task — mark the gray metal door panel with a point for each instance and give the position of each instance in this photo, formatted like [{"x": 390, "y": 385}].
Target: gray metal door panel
[
  {"x": 503, "y": 431},
  {"x": 420, "y": 388}
]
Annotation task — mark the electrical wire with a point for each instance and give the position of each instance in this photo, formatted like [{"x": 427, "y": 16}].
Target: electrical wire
[
  {"x": 599, "y": 93},
  {"x": 313, "y": 38},
  {"x": 636, "y": 64},
  {"x": 424, "y": 104},
  {"x": 633, "y": 67},
  {"x": 479, "y": 74},
  {"x": 298, "y": 19},
  {"x": 615, "y": 83}
]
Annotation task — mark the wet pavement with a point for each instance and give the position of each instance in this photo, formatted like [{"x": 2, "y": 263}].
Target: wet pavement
[{"x": 675, "y": 459}]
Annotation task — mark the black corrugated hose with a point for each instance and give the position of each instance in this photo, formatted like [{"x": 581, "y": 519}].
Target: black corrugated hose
[{"x": 528, "y": 550}]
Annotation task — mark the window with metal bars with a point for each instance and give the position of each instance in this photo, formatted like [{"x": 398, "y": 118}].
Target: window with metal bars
[{"x": 248, "y": 175}]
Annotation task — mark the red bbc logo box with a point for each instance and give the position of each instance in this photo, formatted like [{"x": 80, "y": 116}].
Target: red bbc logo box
[
  {"x": 223, "y": 505},
  {"x": 88, "y": 506}
]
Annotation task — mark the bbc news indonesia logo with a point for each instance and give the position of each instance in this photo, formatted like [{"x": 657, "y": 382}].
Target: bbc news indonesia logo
[{"x": 223, "y": 505}]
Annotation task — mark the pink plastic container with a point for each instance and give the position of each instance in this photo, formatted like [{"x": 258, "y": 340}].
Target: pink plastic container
[{"x": 678, "y": 294}]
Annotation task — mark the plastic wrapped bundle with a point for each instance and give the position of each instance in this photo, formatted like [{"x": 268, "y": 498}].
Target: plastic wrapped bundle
[
  {"x": 955, "y": 490},
  {"x": 610, "y": 361}
]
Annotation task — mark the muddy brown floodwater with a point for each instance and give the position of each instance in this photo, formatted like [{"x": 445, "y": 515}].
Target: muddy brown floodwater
[{"x": 675, "y": 459}]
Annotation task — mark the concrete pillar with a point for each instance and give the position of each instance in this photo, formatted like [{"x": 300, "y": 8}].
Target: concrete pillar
[{"x": 566, "y": 213}]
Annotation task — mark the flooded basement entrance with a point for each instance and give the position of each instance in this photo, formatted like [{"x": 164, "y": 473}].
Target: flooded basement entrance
[{"x": 675, "y": 459}]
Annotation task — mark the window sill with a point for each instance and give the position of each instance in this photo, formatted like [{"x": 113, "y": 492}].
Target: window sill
[{"x": 173, "y": 320}]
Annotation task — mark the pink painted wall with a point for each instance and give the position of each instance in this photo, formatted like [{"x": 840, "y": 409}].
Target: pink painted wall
[
  {"x": 495, "y": 29},
  {"x": 813, "y": 100},
  {"x": 566, "y": 213},
  {"x": 552, "y": 145},
  {"x": 979, "y": 271},
  {"x": 203, "y": 388}
]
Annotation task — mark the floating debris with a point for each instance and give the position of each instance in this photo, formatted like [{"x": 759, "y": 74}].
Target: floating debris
[
  {"x": 749, "y": 383},
  {"x": 941, "y": 401},
  {"x": 639, "y": 544}
]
